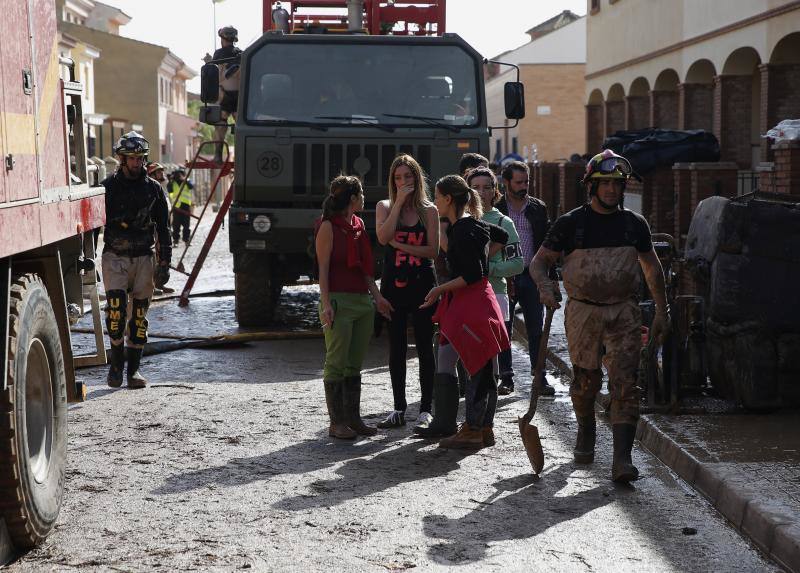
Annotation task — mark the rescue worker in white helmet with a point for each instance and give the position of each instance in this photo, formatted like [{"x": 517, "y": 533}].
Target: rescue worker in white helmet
[
  {"x": 604, "y": 245},
  {"x": 228, "y": 58},
  {"x": 136, "y": 216}
]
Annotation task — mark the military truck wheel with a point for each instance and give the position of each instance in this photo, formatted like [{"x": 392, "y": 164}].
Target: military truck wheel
[
  {"x": 33, "y": 416},
  {"x": 255, "y": 303}
]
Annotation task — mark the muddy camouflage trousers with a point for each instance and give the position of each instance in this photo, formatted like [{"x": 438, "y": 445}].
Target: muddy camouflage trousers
[{"x": 611, "y": 334}]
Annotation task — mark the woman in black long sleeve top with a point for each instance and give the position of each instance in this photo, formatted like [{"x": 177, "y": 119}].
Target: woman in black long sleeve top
[{"x": 470, "y": 321}]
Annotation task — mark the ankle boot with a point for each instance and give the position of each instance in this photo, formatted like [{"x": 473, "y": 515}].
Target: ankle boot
[
  {"x": 333, "y": 399},
  {"x": 116, "y": 361},
  {"x": 623, "y": 470},
  {"x": 135, "y": 378},
  {"x": 467, "y": 438},
  {"x": 352, "y": 407},
  {"x": 584, "y": 445},
  {"x": 445, "y": 408}
]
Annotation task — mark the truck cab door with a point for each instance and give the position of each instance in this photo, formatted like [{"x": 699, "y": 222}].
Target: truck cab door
[{"x": 19, "y": 147}]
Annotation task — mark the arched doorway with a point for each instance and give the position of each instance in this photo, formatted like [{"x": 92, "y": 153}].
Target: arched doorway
[
  {"x": 664, "y": 100},
  {"x": 637, "y": 105},
  {"x": 696, "y": 97},
  {"x": 737, "y": 120},
  {"x": 614, "y": 110},
  {"x": 781, "y": 90},
  {"x": 594, "y": 122}
]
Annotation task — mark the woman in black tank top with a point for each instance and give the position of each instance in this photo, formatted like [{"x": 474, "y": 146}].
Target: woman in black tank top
[{"x": 408, "y": 225}]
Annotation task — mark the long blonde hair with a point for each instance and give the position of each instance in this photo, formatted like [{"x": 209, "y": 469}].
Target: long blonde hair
[{"x": 421, "y": 201}]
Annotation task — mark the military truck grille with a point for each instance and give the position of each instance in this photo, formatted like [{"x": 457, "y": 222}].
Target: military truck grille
[{"x": 315, "y": 164}]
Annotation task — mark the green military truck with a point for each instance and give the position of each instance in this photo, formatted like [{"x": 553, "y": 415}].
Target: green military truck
[{"x": 313, "y": 106}]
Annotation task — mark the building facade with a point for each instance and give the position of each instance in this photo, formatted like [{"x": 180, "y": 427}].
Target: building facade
[
  {"x": 731, "y": 67},
  {"x": 552, "y": 69},
  {"x": 149, "y": 97}
]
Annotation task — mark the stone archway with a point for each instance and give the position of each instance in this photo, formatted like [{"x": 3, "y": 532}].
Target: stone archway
[
  {"x": 737, "y": 117},
  {"x": 614, "y": 113},
  {"x": 664, "y": 100},
  {"x": 696, "y": 97},
  {"x": 594, "y": 122},
  {"x": 637, "y": 105}
]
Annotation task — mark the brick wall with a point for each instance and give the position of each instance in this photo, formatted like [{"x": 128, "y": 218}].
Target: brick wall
[
  {"x": 662, "y": 199},
  {"x": 766, "y": 177},
  {"x": 664, "y": 109},
  {"x": 787, "y": 167},
  {"x": 682, "y": 181},
  {"x": 547, "y": 182},
  {"x": 571, "y": 192},
  {"x": 780, "y": 86},
  {"x": 696, "y": 106},
  {"x": 594, "y": 128},
  {"x": 559, "y": 131},
  {"x": 710, "y": 179},
  {"x": 637, "y": 112},
  {"x": 614, "y": 117},
  {"x": 732, "y": 109}
]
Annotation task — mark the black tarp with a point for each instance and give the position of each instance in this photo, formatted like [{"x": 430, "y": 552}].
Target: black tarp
[{"x": 650, "y": 148}]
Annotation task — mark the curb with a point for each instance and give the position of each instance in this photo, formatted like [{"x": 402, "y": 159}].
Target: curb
[{"x": 768, "y": 525}]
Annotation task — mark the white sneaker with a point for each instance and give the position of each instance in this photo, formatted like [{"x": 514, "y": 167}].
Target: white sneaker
[
  {"x": 394, "y": 420},
  {"x": 424, "y": 420}
]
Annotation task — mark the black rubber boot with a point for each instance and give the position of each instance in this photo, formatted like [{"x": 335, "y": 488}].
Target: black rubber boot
[
  {"x": 623, "y": 470},
  {"x": 352, "y": 407},
  {"x": 135, "y": 378},
  {"x": 116, "y": 361},
  {"x": 338, "y": 428},
  {"x": 463, "y": 379},
  {"x": 445, "y": 408},
  {"x": 584, "y": 445}
]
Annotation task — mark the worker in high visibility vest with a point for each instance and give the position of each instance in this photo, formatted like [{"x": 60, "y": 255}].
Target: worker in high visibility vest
[{"x": 180, "y": 195}]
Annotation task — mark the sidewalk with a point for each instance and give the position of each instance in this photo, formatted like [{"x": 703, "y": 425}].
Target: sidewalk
[{"x": 747, "y": 466}]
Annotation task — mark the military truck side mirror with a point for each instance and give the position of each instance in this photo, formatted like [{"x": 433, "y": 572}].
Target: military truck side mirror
[
  {"x": 210, "y": 114},
  {"x": 514, "y": 95},
  {"x": 72, "y": 114},
  {"x": 209, "y": 83}
]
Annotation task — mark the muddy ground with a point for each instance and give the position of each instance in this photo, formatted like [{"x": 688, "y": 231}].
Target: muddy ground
[{"x": 224, "y": 464}]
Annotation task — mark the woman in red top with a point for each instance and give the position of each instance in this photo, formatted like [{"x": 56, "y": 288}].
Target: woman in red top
[{"x": 346, "y": 268}]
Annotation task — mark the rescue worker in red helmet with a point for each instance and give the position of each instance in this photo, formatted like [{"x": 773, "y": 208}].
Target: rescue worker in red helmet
[
  {"x": 604, "y": 245},
  {"x": 136, "y": 215}
]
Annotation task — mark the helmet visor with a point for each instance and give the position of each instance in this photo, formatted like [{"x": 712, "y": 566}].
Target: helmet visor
[
  {"x": 133, "y": 146},
  {"x": 612, "y": 164}
]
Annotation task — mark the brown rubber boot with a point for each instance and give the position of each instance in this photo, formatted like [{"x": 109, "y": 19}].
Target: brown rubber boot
[
  {"x": 333, "y": 398},
  {"x": 467, "y": 438},
  {"x": 622, "y": 469},
  {"x": 487, "y": 432},
  {"x": 352, "y": 407},
  {"x": 584, "y": 445},
  {"x": 116, "y": 362},
  {"x": 135, "y": 378}
]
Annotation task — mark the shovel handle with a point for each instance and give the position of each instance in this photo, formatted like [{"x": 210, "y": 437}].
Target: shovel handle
[{"x": 541, "y": 357}]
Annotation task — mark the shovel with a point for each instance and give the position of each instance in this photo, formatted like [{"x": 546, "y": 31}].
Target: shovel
[{"x": 529, "y": 432}]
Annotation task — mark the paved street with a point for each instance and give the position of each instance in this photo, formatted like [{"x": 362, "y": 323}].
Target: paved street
[{"x": 224, "y": 464}]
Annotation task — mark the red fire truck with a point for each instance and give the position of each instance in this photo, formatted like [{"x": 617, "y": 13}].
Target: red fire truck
[{"x": 50, "y": 202}]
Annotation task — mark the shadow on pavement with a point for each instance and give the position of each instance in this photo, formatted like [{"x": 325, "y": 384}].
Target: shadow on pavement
[
  {"x": 521, "y": 508},
  {"x": 360, "y": 478}
]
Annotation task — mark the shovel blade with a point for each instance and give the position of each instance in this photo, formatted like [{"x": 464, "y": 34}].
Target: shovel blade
[{"x": 533, "y": 445}]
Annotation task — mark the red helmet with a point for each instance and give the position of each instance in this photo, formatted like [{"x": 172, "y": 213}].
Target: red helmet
[{"x": 607, "y": 165}]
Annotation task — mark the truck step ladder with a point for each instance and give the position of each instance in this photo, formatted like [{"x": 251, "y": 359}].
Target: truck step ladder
[{"x": 198, "y": 162}]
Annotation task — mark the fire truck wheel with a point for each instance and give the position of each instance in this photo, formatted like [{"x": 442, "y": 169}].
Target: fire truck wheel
[
  {"x": 33, "y": 416},
  {"x": 254, "y": 300}
]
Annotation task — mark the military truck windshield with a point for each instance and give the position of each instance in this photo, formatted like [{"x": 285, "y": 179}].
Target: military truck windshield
[{"x": 360, "y": 85}]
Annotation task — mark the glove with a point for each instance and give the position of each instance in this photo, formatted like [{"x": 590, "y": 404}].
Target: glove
[
  {"x": 550, "y": 296},
  {"x": 161, "y": 276}
]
